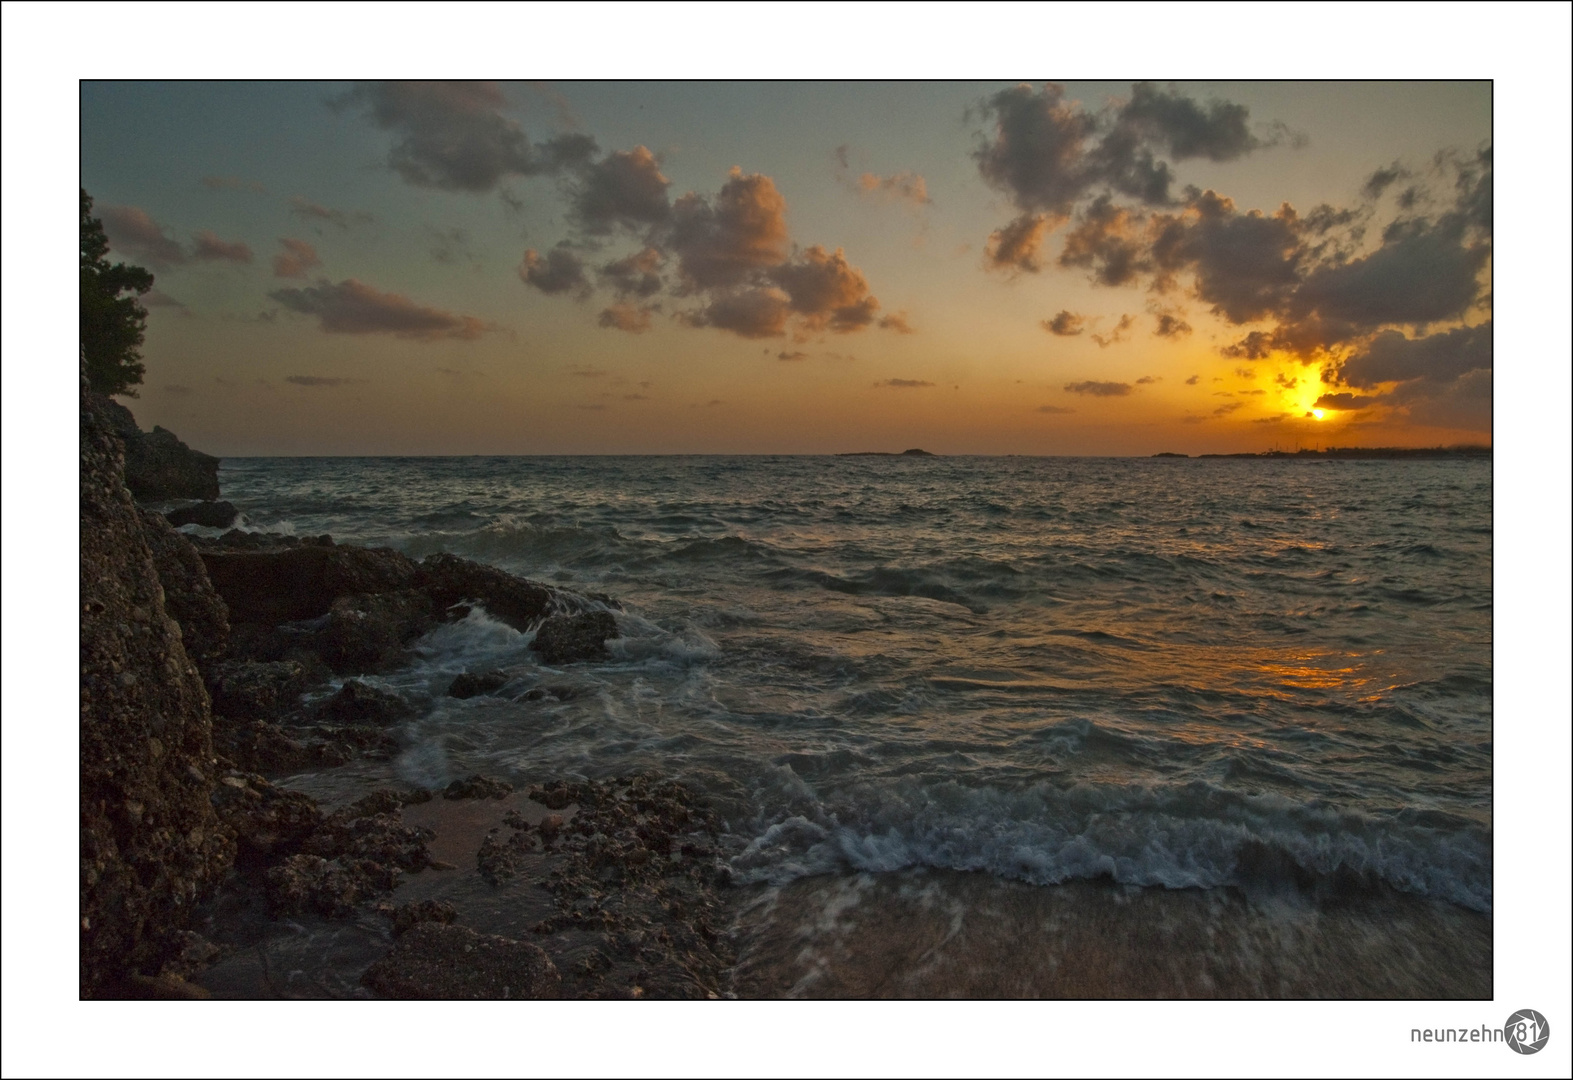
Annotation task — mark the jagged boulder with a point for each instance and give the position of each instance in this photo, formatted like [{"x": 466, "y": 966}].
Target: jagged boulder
[
  {"x": 189, "y": 597},
  {"x": 454, "y": 583},
  {"x": 150, "y": 843},
  {"x": 158, "y": 465},
  {"x": 212, "y": 515},
  {"x": 276, "y": 584},
  {"x": 564, "y": 639}
]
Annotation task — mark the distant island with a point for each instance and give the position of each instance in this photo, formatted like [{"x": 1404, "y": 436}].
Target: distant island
[
  {"x": 887, "y": 453},
  {"x": 1358, "y": 453}
]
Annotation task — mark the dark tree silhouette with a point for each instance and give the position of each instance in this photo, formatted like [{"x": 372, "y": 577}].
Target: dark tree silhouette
[{"x": 112, "y": 324}]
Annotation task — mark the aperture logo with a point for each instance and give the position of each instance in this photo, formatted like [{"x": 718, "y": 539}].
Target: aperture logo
[{"x": 1526, "y": 1031}]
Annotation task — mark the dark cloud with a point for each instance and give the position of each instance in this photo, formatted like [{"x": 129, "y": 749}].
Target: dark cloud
[
  {"x": 904, "y": 384},
  {"x": 1171, "y": 326},
  {"x": 791, "y": 355},
  {"x": 826, "y": 291},
  {"x": 1346, "y": 401},
  {"x": 1193, "y": 380},
  {"x": 296, "y": 258},
  {"x": 351, "y": 307},
  {"x": 636, "y": 275},
  {"x": 1118, "y": 334},
  {"x": 1065, "y": 324},
  {"x": 1056, "y": 409},
  {"x": 630, "y": 318},
  {"x": 453, "y": 136},
  {"x": 721, "y": 242},
  {"x": 1244, "y": 265},
  {"x": 1228, "y": 407},
  {"x": 1148, "y": 380},
  {"x": 560, "y": 270},
  {"x": 321, "y": 380},
  {"x": 1286, "y": 381},
  {"x": 133, "y": 232},
  {"x": 897, "y": 321},
  {"x": 303, "y": 207},
  {"x": 625, "y": 188},
  {"x": 1245, "y": 373},
  {"x": 207, "y": 247},
  {"x": 758, "y": 312},
  {"x": 1100, "y": 389},
  {"x": 1015, "y": 247},
  {"x": 159, "y": 298},
  {"x": 1046, "y": 153},
  {"x": 1109, "y": 240},
  {"x": 1382, "y": 179},
  {"x": 1392, "y": 357}
]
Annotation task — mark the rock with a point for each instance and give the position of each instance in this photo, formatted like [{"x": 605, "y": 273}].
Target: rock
[
  {"x": 406, "y": 917},
  {"x": 213, "y": 515},
  {"x": 253, "y": 690},
  {"x": 289, "y": 583},
  {"x": 368, "y": 632},
  {"x": 357, "y": 703},
  {"x": 189, "y": 597},
  {"x": 380, "y": 838},
  {"x": 477, "y": 787},
  {"x": 565, "y": 638},
  {"x": 334, "y": 888},
  {"x": 454, "y": 583},
  {"x": 261, "y": 747},
  {"x": 437, "y": 961},
  {"x": 474, "y": 684},
  {"x": 267, "y": 820},
  {"x": 159, "y": 466},
  {"x": 150, "y": 843}
]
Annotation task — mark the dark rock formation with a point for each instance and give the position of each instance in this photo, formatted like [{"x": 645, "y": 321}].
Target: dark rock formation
[
  {"x": 213, "y": 515},
  {"x": 357, "y": 703},
  {"x": 289, "y": 583},
  {"x": 477, "y": 787},
  {"x": 475, "y": 683},
  {"x": 407, "y": 916},
  {"x": 189, "y": 597},
  {"x": 451, "y": 581},
  {"x": 368, "y": 632},
  {"x": 150, "y": 843},
  {"x": 333, "y": 887},
  {"x": 252, "y": 690},
  {"x": 158, "y": 465},
  {"x": 268, "y": 821},
  {"x": 433, "y": 960},
  {"x": 565, "y": 638}
]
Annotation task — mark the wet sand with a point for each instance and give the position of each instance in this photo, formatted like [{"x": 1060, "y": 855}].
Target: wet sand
[{"x": 947, "y": 934}]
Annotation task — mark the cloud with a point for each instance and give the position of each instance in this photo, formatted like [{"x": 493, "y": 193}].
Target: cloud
[
  {"x": 750, "y": 313},
  {"x": 159, "y": 298},
  {"x": 1100, "y": 389},
  {"x": 1228, "y": 407},
  {"x": 904, "y": 384},
  {"x": 1380, "y": 180},
  {"x": 636, "y": 275},
  {"x": 296, "y": 258},
  {"x": 1245, "y": 372},
  {"x": 827, "y": 291},
  {"x": 791, "y": 355},
  {"x": 1046, "y": 153},
  {"x": 351, "y": 307},
  {"x": 897, "y": 321},
  {"x": 1193, "y": 380},
  {"x": 1346, "y": 401},
  {"x": 636, "y": 397},
  {"x": 232, "y": 183},
  {"x": 908, "y": 187},
  {"x": 1285, "y": 381},
  {"x": 1015, "y": 247},
  {"x": 1065, "y": 324},
  {"x": 624, "y": 189},
  {"x": 209, "y": 248},
  {"x": 560, "y": 270},
  {"x": 631, "y": 318},
  {"x": 1439, "y": 358},
  {"x": 720, "y": 242},
  {"x": 1107, "y": 239},
  {"x": 449, "y": 246},
  {"x": 1118, "y": 334},
  {"x": 1171, "y": 326},
  {"x": 453, "y": 136},
  {"x": 1148, "y": 380},
  {"x": 303, "y": 207},
  {"x": 1056, "y": 409},
  {"x": 321, "y": 380},
  {"x": 133, "y": 231}
]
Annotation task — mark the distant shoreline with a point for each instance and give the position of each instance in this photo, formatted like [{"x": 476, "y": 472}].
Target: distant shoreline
[{"x": 1357, "y": 453}]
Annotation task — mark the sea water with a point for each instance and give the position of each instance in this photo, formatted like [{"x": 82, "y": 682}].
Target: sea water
[{"x": 1213, "y": 678}]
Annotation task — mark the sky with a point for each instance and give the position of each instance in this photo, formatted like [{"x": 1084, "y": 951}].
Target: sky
[{"x": 1046, "y": 267}]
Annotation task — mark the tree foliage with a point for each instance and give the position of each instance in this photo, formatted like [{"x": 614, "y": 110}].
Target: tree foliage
[{"x": 113, "y": 322}]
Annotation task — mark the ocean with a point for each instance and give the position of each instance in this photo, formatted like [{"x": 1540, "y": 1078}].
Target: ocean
[{"x": 959, "y": 712}]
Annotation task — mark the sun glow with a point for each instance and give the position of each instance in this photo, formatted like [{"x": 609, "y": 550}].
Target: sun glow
[{"x": 1319, "y": 413}]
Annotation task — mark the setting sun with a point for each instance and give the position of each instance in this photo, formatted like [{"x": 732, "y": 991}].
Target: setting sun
[{"x": 1319, "y": 413}]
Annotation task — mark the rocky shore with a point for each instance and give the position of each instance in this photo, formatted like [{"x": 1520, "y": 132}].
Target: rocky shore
[{"x": 211, "y": 667}]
